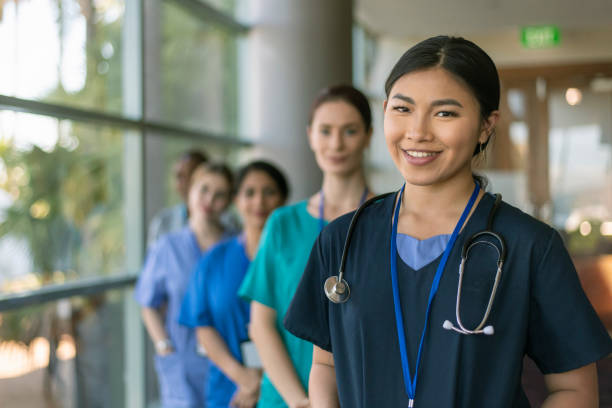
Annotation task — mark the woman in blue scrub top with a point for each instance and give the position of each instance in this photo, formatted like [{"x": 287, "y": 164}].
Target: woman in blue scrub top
[
  {"x": 339, "y": 130},
  {"x": 181, "y": 369},
  {"x": 392, "y": 343},
  {"x": 211, "y": 303}
]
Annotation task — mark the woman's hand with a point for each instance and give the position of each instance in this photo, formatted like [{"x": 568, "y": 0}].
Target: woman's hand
[
  {"x": 165, "y": 352},
  {"x": 247, "y": 394}
]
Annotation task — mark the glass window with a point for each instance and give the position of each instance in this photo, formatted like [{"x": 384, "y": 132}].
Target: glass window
[
  {"x": 580, "y": 151},
  {"x": 196, "y": 76},
  {"x": 66, "y": 354},
  {"x": 61, "y": 200},
  {"x": 62, "y": 51},
  {"x": 226, "y": 6}
]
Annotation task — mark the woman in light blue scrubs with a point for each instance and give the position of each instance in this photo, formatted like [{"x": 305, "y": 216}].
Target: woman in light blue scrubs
[
  {"x": 181, "y": 369},
  {"x": 212, "y": 304}
]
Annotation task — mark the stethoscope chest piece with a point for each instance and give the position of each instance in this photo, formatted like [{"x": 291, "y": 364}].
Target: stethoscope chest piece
[{"x": 337, "y": 291}]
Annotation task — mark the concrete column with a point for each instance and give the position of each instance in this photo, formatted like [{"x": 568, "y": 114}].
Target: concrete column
[
  {"x": 538, "y": 180},
  {"x": 295, "y": 48}
]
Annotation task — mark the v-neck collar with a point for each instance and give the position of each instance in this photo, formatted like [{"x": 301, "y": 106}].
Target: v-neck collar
[{"x": 471, "y": 224}]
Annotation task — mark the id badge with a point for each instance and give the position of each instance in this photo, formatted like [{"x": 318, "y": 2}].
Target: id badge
[{"x": 250, "y": 356}]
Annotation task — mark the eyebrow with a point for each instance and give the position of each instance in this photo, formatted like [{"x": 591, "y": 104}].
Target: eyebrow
[
  {"x": 348, "y": 124},
  {"x": 438, "y": 102},
  {"x": 442, "y": 102}
]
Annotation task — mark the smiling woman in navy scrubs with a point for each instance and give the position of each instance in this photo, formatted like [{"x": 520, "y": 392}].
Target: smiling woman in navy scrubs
[{"x": 441, "y": 111}]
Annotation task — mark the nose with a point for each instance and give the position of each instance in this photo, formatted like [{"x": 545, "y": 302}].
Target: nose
[
  {"x": 208, "y": 198},
  {"x": 418, "y": 128},
  {"x": 260, "y": 200},
  {"x": 337, "y": 140}
]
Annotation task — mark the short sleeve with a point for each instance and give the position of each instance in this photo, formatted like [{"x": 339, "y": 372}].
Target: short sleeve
[
  {"x": 195, "y": 310},
  {"x": 565, "y": 333},
  {"x": 150, "y": 290},
  {"x": 308, "y": 314},
  {"x": 258, "y": 284}
]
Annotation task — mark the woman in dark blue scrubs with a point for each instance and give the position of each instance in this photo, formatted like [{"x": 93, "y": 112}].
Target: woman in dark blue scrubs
[{"x": 389, "y": 345}]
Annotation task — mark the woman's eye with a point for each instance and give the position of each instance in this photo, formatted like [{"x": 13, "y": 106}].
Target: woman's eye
[
  {"x": 249, "y": 193},
  {"x": 447, "y": 114},
  {"x": 220, "y": 195},
  {"x": 268, "y": 192},
  {"x": 350, "y": 132},
  {"x": 325, "y": 131}
]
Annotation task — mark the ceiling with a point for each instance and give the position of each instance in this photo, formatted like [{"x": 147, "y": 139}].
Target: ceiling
[{"x": 421, "y": 18}]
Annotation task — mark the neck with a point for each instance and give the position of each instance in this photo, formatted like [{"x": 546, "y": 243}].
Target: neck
[
  {"x": 206, "y": 231},
  {"x": 343, "y": 190},
  {"x": 445, "y": 198},
  {"x": 251, "y": 235}
]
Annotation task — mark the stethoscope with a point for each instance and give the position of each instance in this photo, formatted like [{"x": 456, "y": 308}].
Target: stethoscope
[{"x": 338, "y": 290}]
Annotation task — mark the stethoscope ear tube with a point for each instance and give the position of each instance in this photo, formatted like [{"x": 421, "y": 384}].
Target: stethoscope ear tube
[{"x": 336, "y": 288}]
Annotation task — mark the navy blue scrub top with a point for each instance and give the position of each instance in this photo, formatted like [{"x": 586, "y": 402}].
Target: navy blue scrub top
[{"x": 540, "y": 310}]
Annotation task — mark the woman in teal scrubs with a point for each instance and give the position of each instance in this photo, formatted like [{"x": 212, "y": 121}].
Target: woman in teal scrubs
[{"x": 338, "y": 133}]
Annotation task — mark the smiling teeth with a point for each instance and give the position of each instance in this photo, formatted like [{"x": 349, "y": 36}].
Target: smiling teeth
[{"x": 420, "y": 154}]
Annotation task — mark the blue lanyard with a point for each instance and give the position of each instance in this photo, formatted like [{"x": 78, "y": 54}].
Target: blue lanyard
[
  {"x": 322, "y": 206},
  {"x": 409, "y": 382}
]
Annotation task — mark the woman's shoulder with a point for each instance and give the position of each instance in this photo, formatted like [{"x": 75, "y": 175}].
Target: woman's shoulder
[
  {"x": 224, "y": 249},
  {"x": 221, "y": 248},
  {"x": 523, "y": 231},
  {"x": 290, "y": 212},
  {"x": 513, "y": 218},
  {"x": 288, "y": 218},
  {"x": 171, "y": 241}
]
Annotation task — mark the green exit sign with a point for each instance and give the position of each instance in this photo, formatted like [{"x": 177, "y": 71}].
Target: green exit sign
[{"x": 540, "y": 36}]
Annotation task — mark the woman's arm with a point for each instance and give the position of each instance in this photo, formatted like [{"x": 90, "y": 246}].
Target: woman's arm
[
  {"x": 155, "y": 327},
  {"x": 247, "y": 379},
  {"x": 576, "y": 388},
  {"x": 322, "y": 388},
  {"x": 274, "y": 356}
]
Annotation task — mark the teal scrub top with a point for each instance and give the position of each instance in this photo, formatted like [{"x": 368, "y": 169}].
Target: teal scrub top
[{"x": 273, "y": 277}]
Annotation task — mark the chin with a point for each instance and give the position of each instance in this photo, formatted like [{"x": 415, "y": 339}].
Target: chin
[
  {"x": 421, "y": 180},
  {"x": 343, "y": 169}
]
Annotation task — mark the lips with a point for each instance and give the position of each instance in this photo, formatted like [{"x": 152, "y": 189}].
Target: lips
[
  {"x": 420, "y": 157},
  {"x": 337, "y": 159}
]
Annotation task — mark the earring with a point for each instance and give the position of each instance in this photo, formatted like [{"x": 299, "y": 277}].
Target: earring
[{"x": 482, "y": 153}]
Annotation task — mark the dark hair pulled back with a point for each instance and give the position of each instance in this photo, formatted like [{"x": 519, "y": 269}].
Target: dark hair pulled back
[
  {"x": 462, "y": 58},
  {"x": 266, "y": 167},
  {"x": 348, "y": 94}
]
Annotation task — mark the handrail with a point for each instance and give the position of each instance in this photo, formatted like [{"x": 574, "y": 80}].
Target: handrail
[
  {"x": 49, "y": 293},
  {"x": 85, "y": 115}
]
